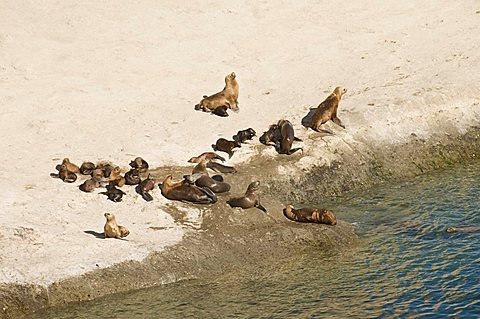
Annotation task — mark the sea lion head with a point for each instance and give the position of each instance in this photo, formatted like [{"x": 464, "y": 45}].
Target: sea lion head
[
  {"x": 253, "y": 186},
  {"x": 328, "y": 217},
  {"x": 109, "y": 216},
  {"x": 339, "y": 91},
  {"x": 451, "y": 230}
]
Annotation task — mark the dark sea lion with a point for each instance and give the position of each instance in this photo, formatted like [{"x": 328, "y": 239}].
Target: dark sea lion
[
  {"x": 271, "y": 136},
  {"x": 213, "y": 184},
  {"x": 207, "y": 156},
  {"x": 114, "y": 194},
  {"x": 105, "y": 167},
  {"x": 140, "y": 164},
  {"x": 220, "y": 168},
  {"x": 112, "y": 229},
  {"x": 89, "y": 185},
  {"x": 87, "y": 168},
  {"x": 463, "y": 229},
  {"x": 66, "y": 175},
  {"x": 244, "y": 135},
  {"x": 186, "y": 191},
  {"x": 226, "y": 99},
  {"x": 132, "y": 177},
  {"x": 226, "y": 146},
  {"x": 249, "y": 200},
  {"x": 144, "y": 187},
  {"x": 327, "y": 110},
  {"x": 310, "y": 215},
  {"x": 70, "y": 166},
  {"x": 287, "y": 136},
  {"x": 116, "y": 177}
]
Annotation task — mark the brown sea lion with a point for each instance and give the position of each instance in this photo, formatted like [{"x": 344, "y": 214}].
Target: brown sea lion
[
  {"x": 226, "y": 146},
  {"x": 70, "y": 166},
  {"x": 140, "y": 164},
  {"x": 89, "y": 185},
  {"x": 310, "y": 215},
  {"x": 463, "y": 229},
  {"x": 271, "y": 136},
  {"x": 98, "y": 175},
  {"x": 132, "y": 177},
  {"x": 87, "y": 168},
  {"x": 116, "y": 177},
  {"x": 327, "y": 110},
  {"x": 287, "y": 136},
  {"x": 114, "y": 194},
  {"x": 220, "y": 168},
  {"x": 206, "y": 156},
  {"x": 112, "y": 229},
  {"x": 66, "y": 175},
  {"x": 213, "y": 184},
  {"x": 244, "y": 135},
  {"x": 144, "y": 187},
  {"x": 249, "y": 200},
  {"x": 226, "y": 99},
  {"x": 200, "y": 168},
  {"x": 186, "y": 191}
]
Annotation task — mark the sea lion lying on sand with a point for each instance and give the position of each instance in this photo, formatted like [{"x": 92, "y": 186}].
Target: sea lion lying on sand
[
  {"x": 310, "y": 215},
  {"x": 186, "y": 191}
]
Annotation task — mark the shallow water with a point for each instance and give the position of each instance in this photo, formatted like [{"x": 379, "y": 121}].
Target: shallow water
[{"x": 405, "y": 265}]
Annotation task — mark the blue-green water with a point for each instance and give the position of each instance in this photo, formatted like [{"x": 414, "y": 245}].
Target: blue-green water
[{"x": 405, "y": 265}]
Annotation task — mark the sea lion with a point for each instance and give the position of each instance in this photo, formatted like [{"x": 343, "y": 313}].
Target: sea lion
[
  {"x": 220, "y": 168},
  {"x": 327, "y": 110},
  {"x": 464, "y": 229},
  {"x": 116, "y": 177},
  {"x": 271, "y": 136},
  {"x": 87, "y": 168},
  {"x": 250, "y": 199},
  {"x": 218, "y": 103},
  {"x": 70, "y": 166},
  {"x": 66, "y": 175},
  {"x": 200, "y": 168},
  {"x": 132, "y": 177},
  {"x": 244, "y": 135},
  {"x": 226, "y": 146},
  {"x": 185, "y": 191},
  {"x": 213, "y": 184},
  {"x": 112, "y": 229},
  {"x": 310, "y": 215},
  {"x": 144, "y": 187},
  {"x": 98, "y": 175},
  {"x": 114, "y": 194},
  {"x": 89, "y": 185},
  {"x": 140, "y": 164},
  {"x": 206, "y": 156},
  {"x": 287, "y": 136}
]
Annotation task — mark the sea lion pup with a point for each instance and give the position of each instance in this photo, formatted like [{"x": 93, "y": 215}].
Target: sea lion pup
[
  {"x": 226, "y": 146},
  {"x": 114, "y": 194},
  {"x": 132, "y": 177},
  {"x": 218, "y": 103},
  {"x": 287, "y": 136},
  {"x": 208, "y": 156},
  {"x": 140, "y": 164},
  {"x": 271, "y": 136},
  {"x": 70, "y": 166},
  {"x": 310, "y": 215},
  {"x": 116, "y": 177},
  {"x": 244, "y": 135},
  {"x": 464, "y": 229},
  {"x": 66, "y": 175},
  {"x": 144, "y": 187},
  {"x": 87, "y": 168},
  {"x": 249, "y": 200},
  {"x": 98, "y": 175},
  {"x": 220, "y": 168},
  {"x": 186, "y": 191},
  {"x": 327, "y": 110},
  {"x": 214, "y": 184},
  {"x": 89, "y": 185},
  {"x": 112, "y": 229}
]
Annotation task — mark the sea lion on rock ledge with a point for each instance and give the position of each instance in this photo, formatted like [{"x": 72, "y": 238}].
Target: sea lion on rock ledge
[
  {"x": 219, "y": 102},
  {"x": 185, "y": 191},
  {"x": 226, "y": 146},
  {"x": 140, "y": 164},
  {"x": 249, "y": 200},
  {"x": 310, "y": 215},
  {"x": 327, "y": 110}
]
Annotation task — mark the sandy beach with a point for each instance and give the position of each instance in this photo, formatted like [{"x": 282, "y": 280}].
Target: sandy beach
[{"x": 111, "y": 81}]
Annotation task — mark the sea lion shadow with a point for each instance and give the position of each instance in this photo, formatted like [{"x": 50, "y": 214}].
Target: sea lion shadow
[
  {"x": 94, "y": 233},
  {"x": 307, "y": 119}
]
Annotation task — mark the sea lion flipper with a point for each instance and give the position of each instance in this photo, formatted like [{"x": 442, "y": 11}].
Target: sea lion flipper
[
  {"x": 337, "y": 121},
  {"x": 260, "y": 206},
  {"x": 210, "y": 194},
  {"x": 148, "y": 197},
  {"x": 220, "y": 111},
  {"x": 297, "y": 139}
]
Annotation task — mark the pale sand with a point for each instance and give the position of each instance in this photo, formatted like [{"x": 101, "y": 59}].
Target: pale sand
[{"x": 104, "y": 80}]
